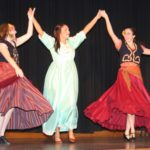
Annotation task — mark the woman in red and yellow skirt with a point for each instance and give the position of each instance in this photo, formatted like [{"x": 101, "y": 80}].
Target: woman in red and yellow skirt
[
  {"x": 126, "y": 104},
  {"x": 22, "y": 106}
]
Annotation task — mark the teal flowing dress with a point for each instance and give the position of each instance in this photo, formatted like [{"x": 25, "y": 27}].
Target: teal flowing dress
[{"x": 61, "y": 84}]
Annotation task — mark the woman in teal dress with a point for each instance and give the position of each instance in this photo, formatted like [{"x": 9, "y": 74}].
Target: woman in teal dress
[{"x": 61, "y": 81}]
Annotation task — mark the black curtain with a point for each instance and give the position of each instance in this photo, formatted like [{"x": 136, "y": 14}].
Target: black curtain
[{"x": 96, "y": 59}]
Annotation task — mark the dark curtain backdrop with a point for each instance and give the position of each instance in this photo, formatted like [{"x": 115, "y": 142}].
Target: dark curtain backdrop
[{"x": 96, "y": 59}]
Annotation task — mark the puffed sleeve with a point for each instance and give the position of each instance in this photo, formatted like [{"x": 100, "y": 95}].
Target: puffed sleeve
[
  {"x": 76, "y": 40},
  {"x": 47, "y": 40}
]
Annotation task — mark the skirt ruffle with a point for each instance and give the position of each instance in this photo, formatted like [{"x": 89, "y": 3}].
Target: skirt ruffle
[
  {"x": 31, "y": 109},
  {"x": 126, "y": 96}
]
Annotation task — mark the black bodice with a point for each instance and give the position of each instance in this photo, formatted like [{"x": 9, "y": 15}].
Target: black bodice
[
  {"x": 127, "y": 55},
  {"x": 12, "y": 50}
]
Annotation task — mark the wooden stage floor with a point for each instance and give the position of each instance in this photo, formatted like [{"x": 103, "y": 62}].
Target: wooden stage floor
[{"x": 102, "y": 140}]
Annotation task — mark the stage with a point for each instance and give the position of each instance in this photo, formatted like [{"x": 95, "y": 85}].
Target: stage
[{"x": 102, "y": 140}]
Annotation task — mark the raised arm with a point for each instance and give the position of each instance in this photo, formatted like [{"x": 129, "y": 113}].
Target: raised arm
[
  {"x": 29, "y": 33},
  {"x": 38, "y": 27},
  {"x": 91, "y": 24},
  {"x": 4, "y": 51},
  {"x": 146, "y": 51},
  {"x": 115, "y": 39}
]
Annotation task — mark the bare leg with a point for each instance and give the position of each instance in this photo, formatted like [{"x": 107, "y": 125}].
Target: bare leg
[
  {"x": 132, "y": 122},
  {"x": 72, "y": 138},
  {"x": 128, "y": 127},
  {"x": 5, "y": 119},
  {"x": 57, "y": 136},
  {"x": 1, "y": 122}
]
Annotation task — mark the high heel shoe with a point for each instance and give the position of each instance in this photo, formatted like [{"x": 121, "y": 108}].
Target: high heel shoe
[
  {"x": 132, "y": 136},
  {"x": 71, "y": 137},
  {"x": 58, "y": 140},
  {"x": 127, "y": 137},
  {"x": 72, "y": 140},
  {"x": 4, "y": 141}
]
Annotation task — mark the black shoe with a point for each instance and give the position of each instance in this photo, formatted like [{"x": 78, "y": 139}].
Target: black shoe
[
  {"x": 1, "y": 140},
  {"x": 127, "y": 137},
  {"x": 4, "y": 140},
  {"x": 133, "y": 137}
]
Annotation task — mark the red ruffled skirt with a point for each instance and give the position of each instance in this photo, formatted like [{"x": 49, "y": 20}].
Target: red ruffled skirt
[
  {"x": 31, "y": 109},
  {"x": 126, "y": 96}
]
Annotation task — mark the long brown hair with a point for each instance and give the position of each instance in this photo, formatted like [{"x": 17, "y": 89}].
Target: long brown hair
[
  {"x": 57, "y": 31},
  {"x": 4, "y": 28}
]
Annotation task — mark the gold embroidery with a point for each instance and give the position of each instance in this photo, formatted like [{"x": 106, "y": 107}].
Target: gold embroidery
[{"x": 131, "y": 58}]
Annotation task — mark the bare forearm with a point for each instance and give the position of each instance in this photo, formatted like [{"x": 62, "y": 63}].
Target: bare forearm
[
  {"x": 11, "y": 62},
  {"x": 30, "y": 28},
  {"x": 26, "y": 36},
  {"x": 38, "y": 27},
  {"x": 146, "y": 51},
  {"x": 90, "y": 25},
  {"x": 109, "y": 26},
  {"x": 19, "y": 72},
  {"x": 111, "y": 33}
]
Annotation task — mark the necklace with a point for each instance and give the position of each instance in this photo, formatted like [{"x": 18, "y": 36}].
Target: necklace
[{"x": 135, "y": 47}]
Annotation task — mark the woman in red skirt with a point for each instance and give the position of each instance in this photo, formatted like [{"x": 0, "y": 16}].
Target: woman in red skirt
[
  {"x": 126, "y": 104},
  {"x": 22, "y": 106}
]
